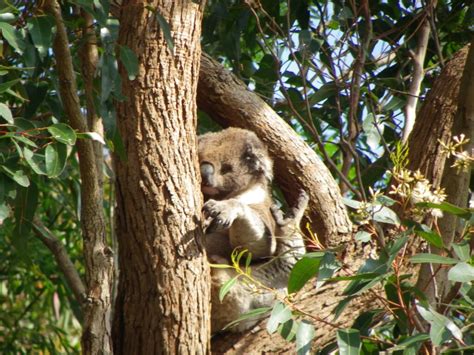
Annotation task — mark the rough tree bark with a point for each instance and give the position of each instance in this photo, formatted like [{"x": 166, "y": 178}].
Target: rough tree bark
[
  {"x": 162, "y": 303},
  {"x": 228, "y": 101},
  {"x": 452, "y": 99},
  {"x": 96, "y": 335}
]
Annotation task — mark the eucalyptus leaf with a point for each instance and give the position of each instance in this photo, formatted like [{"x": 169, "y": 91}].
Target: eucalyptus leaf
[
  {"x": 461, "y": 272},
  {"x": 40, "y": 29},
  {"x": 13, "y": 37},
  {"x": 55, "y": 159},
  {"x": 280, "y": 314},
  {"x": 225, "y": 288},
  {"x": 63, "y": 133},
  {"x": 6, "y": 113},
  {"x": 304, "y": 336},
  {"x": 348, "y": 341},
  {"x": 305, "y": 269},
  {"x": 130, "y": 61},
  {"x": 432, "y": 258},
  {"x": 165, "y": 28}
]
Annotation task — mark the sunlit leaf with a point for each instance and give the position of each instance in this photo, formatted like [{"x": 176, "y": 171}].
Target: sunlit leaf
[
  {"x": 305, "y": 269},
  {"x": 462, "y": 272},
  {"x": 304, "y": 336},
  {"x": 6, "y": 113},
  {"x": 55, "y": 159},
  {"x": 63, "y": 133},
  {"x": 280, "y": 314}
]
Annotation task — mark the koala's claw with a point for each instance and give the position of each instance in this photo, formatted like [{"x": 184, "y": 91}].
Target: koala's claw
[{"x": 221, "y": 213}]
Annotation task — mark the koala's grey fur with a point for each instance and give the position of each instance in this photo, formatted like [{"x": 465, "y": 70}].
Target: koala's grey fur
[
  {"x": 236, "y": 173},
  {"x": 245, "y": 296}
]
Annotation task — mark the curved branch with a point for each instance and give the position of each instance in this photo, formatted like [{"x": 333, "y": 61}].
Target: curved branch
[{"x": 227, "y": 100}]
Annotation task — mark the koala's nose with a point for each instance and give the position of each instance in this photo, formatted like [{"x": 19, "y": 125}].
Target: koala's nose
[{"x": 207, "y": 174}]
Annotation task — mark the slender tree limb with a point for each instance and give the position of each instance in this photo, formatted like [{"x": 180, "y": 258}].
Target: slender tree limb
[
  {"x": 96, "y": 337},
  {"x": 228, "y": 101},
  {"x": 63, "y": 260},
  {"x": 418, "y": 59},
  {"x": 89, "y": 59}
]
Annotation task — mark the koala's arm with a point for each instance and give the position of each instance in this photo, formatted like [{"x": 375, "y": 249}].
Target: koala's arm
[{"x": 249, "y": 226}]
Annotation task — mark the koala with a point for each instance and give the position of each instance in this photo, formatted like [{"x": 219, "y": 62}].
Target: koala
[
  {"x": 236, "y": 173},
  {"x": 244, "y": 296}
]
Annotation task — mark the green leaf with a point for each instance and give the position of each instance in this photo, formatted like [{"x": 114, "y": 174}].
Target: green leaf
[
  {"x": 13, "y": 37},
  {"x": 280, "y": 314},
  {"x": 462, "y": 272},
  {"x": 7, "y": 85},
  {"x": 130, "y": 61},
  {"x": 305, "y": 269},
  {"x": 63, "y": 133},
  {"x": 26, "y": 202},
  {"x": 40, "y": 28},
  {"x": 18, "y": 176},
  {"x": 427, "y": 234},
  {"x": 288, "y": 330},
  {"x": 348, "y": 341},
  {"x": 55, "y": 159},
  {"x": 304, "y": 336},
  {"x": 165, "y": 27},
  {"x": 324, "y": 92},
  {"x": 363, "y": 236},
  {"x": 6, "y": 113},
  {"x": 462, "y": 250},
  {"x": 432, "y": 258},
  {"x": 35, "y": 161},
  {"x": 225, "y": 288},
  {"x": 254, "y": 313},
  {"x": 91, "y": 135},
  {"x": 384, "y": 214},
  {"x": 441, "y": 327},
  {"x": 449, "y": 208},
  {"x": 410, "y": 341}
]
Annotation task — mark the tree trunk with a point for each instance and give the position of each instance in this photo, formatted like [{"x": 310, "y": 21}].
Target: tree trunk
[
  {"x": 163, "y": 294},
  {"x": 452, "y": 96},
  {"x": 226, "y": 99}
]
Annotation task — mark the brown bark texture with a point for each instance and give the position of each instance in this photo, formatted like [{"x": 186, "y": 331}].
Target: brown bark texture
[
  {"x": 456, "y": 91},
  {"x": 228, "y": 101},
  {"x": 435, "y": 121},
  {"x": 162, "y": 303},
  {"x": 96, "y": 335}
]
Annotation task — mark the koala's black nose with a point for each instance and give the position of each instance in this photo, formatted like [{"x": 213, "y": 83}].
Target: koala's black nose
[{"x": 207, "y": 174}]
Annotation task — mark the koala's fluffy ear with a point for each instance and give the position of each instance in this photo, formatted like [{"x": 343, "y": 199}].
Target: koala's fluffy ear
[{"x": 257, "y": 158}]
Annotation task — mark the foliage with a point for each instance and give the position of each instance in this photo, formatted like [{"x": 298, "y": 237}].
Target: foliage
[{"x": 338, "y": 79}]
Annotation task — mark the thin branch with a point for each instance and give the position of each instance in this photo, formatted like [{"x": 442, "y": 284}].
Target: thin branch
[
  {"x": 63, "y": 260},
  {"x": 98, "y": 258},
  {"x": 418, "y": 59}
]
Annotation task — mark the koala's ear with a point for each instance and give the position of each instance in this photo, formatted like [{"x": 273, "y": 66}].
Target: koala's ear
[{"x": 257, "y": 159}]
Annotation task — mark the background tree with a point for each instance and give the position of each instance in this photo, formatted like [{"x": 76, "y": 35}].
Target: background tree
[{"x": 341, "y": 74}]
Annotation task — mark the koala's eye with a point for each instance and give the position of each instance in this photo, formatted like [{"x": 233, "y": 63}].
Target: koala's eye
[{"x": 226, "y": 168}]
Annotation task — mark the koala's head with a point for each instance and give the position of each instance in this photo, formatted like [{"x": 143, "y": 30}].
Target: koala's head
[{"x": 232, "y": 161}]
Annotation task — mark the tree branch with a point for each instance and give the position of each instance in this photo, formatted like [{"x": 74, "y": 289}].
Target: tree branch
[
  {"x": 96, "y": 337},
  {"x": 62, "y": 258},
  {"x": 226, "y": 99},
  {"x": 418, "y": 59}
]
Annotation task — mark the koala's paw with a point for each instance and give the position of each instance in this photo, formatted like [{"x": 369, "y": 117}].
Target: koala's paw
[{"x": 221, "y": 213}]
